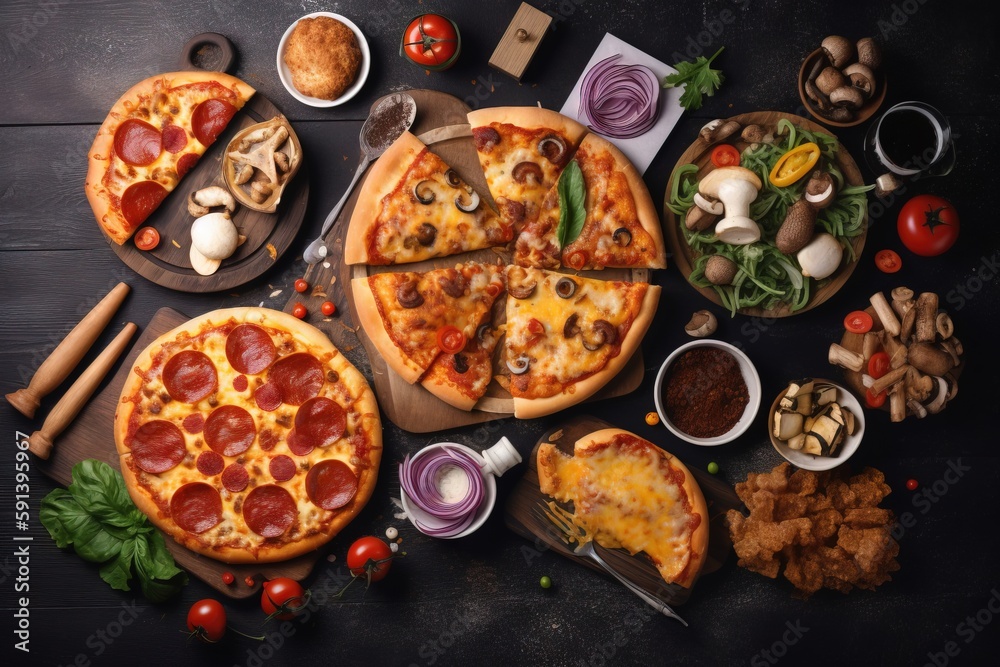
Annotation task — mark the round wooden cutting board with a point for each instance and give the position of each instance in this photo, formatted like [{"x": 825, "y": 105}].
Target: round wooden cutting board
[{"x": 699, "y": 153}]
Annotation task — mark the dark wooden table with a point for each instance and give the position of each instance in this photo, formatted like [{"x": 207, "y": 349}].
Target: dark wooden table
[{"x": 478, "y": 600}]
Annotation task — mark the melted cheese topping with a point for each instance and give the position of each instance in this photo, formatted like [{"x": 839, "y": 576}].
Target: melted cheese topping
[{"x": 518, "y": 145}]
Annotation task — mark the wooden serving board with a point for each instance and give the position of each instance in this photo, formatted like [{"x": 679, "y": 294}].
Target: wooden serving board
[
  {"x": 91, "y": 436},
  {"x": 269, "y": 235},
  {"x": 519, "y": 515},
  {"x": 411, "y": 407},
  {"x": 699, "y": 153}
]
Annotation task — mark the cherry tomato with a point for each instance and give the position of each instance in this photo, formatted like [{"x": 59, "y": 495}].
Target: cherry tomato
[
  {"x": 858, "y": 322},
  {"x": 249, "y": 581},
  {"x": 878, "y": 365},
  {"x": 431, "y": 41},
  {"x": 725, "y": 155},
  {"x": 328, "y": 308},
  {"x": 450, "y": 339},
  {"x": 147, "y": 238},
  {"x": 300, "y": 311},
  {"x": 301, "y": 285},
  {"x": 369, "y": 557},
  {"x": 874, "y": 400},
  {"x": 228, "y": 578},
  {"x": 207, "y": 620},
  {"x": 928, "y": 225},
  {"x": 912, "y": 484},
  {"x": 888, "y": 261},
  {"x": 577, "y": 259},
  {"x": 283, "y": 598}
]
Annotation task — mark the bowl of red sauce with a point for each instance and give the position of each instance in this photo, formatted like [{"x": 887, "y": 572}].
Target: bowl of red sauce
[{"x": 707, "y": 392}]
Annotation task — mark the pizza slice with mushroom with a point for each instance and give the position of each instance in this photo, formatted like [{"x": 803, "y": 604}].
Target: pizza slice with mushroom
[
  {"x": 567, "y": 336},
  {"x": 413, "y": 206},
  {"x": 461, "y": 378},
  {"x": 620, "y": 227},
  {"x": 412, "y": 317},
  {"x": 522, "y": 151}
]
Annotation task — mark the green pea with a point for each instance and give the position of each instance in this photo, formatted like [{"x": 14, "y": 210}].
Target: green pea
[
  {"x": 545, "y": 582},
  {"x": 713, "y": 467}
]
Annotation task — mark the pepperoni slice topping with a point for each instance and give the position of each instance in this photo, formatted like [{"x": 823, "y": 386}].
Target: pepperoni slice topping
[
  {"x": 210, "y": 464},
  {"x": 240, "y": 383},
  {"x": 138, "y": 143},
  {"x": 250, "y": 349},
  {"x": 268, "y": 397},
  {"x": 186, "y": 163},
  {"x": 196, "y": 507},
  {"x": 158, "y": 446},
  {"x": 175, "y": 138},
  {"x": 210, "y": 118},
  {"x": 320, "y": 421},
  {"x": 269, "y": 510},
  {"x": 266, "y": 439},
  {"x": 230, "y": 430},
  {"x": 139, "y": 200},
  {"x": 298, "y": 377},
  {"x": 282, "y": 468},
  {"x": 235, "y": 477},
  {"x": 331, "y": 484},
  {"x": 300, "y": 446},
  {"x": 194, "y": 423},
  {"x": 190, "y": 376}
]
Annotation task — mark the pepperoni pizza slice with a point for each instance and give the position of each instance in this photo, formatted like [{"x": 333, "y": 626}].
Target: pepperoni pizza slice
[
  {"x": 621, "y": 229},
  {"x": 247, "y": 436},
  {"x": 628, "y": 493},
  {"x": 567, "y": 336},
  {"x": 413, "y": 207},
  {"x": 153, "y": 135},
  {"x": 522, "y": 151}
]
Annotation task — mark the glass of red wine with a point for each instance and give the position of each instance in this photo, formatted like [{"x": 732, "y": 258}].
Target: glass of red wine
[{"x": 911, "y": 139}]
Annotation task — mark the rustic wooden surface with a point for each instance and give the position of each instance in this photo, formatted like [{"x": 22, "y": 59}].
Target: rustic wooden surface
[
  {"x": 477, "y": 600},
  {"x": 700, "y": 153}
]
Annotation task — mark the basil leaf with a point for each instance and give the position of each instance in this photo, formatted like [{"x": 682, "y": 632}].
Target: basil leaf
[
  {"x": 101, "y": 491},
  {"x": 118, "y": 571},
  {"x": 572, "y": 204},
  {"x": 159, "y": 577},
  {"x": 50, "y": 514},
  {"x": 69, "y": 524}
]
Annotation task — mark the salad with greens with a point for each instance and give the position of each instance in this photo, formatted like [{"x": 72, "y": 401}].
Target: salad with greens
[{"x": 765, "y": 276}]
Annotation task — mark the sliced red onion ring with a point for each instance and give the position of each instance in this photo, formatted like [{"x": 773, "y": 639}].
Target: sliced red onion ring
[
  {"x": 620, "y": 101},
  {"x": 419, "y": 479}
]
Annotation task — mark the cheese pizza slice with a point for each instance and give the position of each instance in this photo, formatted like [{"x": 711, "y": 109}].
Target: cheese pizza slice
[
  {"x": 628, "y": 493},
  {"x": 413, "y": 206},
  {"x": 461, "y": 378}
]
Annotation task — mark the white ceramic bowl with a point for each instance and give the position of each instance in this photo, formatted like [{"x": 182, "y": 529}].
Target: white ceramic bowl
[
  {"x": 286, "y": 76},
  {"x": 847, "y": 448},
  {"x": 749, "y": 376},
  {"x": 415, "y": 514}
]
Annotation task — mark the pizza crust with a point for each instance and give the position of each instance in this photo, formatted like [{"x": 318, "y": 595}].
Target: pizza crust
[
  {"x": 382, "y": 179},
  {"x": 371, "y": 321},
  {"x": 530, "y": 408},
  {"x": 529, "y": 118}
]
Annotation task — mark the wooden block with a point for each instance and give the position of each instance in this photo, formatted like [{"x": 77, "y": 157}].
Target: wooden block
[{"x": 520, "y": 41}]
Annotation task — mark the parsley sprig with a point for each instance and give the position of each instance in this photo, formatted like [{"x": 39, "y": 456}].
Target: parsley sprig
[{"x": 698, "y": 79}]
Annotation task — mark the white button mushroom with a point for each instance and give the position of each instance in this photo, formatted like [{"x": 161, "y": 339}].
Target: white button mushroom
[
  {"x": 821, "y": 257},
  {"x": 736, "y": 188},
  {"x": 215, "y": 236}
]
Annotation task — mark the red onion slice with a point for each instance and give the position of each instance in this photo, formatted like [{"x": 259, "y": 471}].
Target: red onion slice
[
  {"x": 419, "y": 480},
  {"x": 620, "y": 101}
]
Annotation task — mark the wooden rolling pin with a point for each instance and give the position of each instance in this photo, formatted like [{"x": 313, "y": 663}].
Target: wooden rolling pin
[
  {"x": 40, "y": 442},
  {"x": 68, "y": 353}
]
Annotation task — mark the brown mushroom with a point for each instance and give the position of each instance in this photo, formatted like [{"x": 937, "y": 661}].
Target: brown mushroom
[
  {"x": 703, "y": 323},
  {"x": 830, "y": 79},
  {"x": 839, "y": 50},
  {"x": 755, "y": 134},
  {"x": 862, "y": 78},
  {"x": 605, "y": 333},
  {"x": 407, "y": 294},
  {"x": 869, "y": 53},
  {"x": 571, "y": 327},
  {"x": 798, "y": 228},
  {"x": 523, "y": 171},
  {"x": 453, "y": 286},
  {"x": 718, "y": 130},
  {"x": 521, "y": 290},
  {"x": 553, "y": 148},
  {"x": 720, "y": 270},
  {"x": 929, "y": 359},
  {"x": 820, "y": 189},
  {"x": 847, "y": 97},
  {"x": 426, "y": 234}
]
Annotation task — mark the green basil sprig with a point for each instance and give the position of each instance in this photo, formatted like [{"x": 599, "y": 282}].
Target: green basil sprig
[
  {"x": 96, "y": 516},
  {"x": 572, "y": 204}
]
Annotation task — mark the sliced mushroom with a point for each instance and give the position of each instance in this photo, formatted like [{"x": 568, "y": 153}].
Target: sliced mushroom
[
  {"x": 820, "y": 189},
  {"x": 453, "y": 286},
  {"x": 467, "y": 207},
  {"x": 886, "y": 183},
  {"x": 554, "y": 148},
  {"x": 709, "y": 204},
  {"x": 519, "y": 364},
  {"x": 523, "y": 171},
  {"x": 755, "y": 134},
  {"x": 426, "y": 234},
  {"x": 605, "y": 333},
  {"x": 484, "y": 333},
  {"x": 408, "y": 296},
  {"x": 943, "y": 325},
  {"x": 201, "y": 201},
  {"x": 521, "y": 290},
  {"x": 817, "y": 96},
  {"x": 718, "y": 130},
  {"x": 461, "y": 363},
  {"x": 566, "y": 287},
  {"x": 282, "y": 162},
  {"x": 698, "y": 219},
  {"x": 244, "y": 173},
  {"x": 939, "y": 398},
  {"x": 453, "y": 179},
  {"x": 622, "y": 237},
  {"x": 262, "y": 133},
  {"x": 571, "y": 327},
  {"x": 423, "y": 193}
]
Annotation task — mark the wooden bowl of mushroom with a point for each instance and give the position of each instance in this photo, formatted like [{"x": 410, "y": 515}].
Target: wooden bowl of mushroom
[
  {"x": 842, "y": 83},
  {"x": 260, "y": 161}
]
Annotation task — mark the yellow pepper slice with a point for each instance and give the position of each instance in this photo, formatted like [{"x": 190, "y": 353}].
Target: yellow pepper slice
[{"x": 794, "y": 164}]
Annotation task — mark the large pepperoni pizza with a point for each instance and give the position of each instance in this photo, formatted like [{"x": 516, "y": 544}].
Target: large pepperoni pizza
[
  {"x": 247, "y": 436},
  {"x": 154, "y": 135}
]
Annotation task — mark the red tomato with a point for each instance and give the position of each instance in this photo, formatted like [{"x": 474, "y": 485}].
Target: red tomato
[
  {"x": 874, "y": 400},
  {"x": 147, "y": 238},
  {"x": 928, "y": 225},
  {"x": 300, "y": 311},
  {"x": 207, "y": 620},
  {"x": 283, "y": 598},
  {"x": 858, "y": 322},
  {"x": 431, "y": 41},
  {"x": 888, "y": 261},
  {"x": 450, "y": 339},
  {"x": 301, "y": 285},
  {"x": 725, "y": 155},
  {"x": 228, "y": 578},
  {"x": 878, "y": 365},
  {"x": 577, "y": 259},
  {"x": 328, "y": 308},
  {"x": 369, "y": 557}
]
